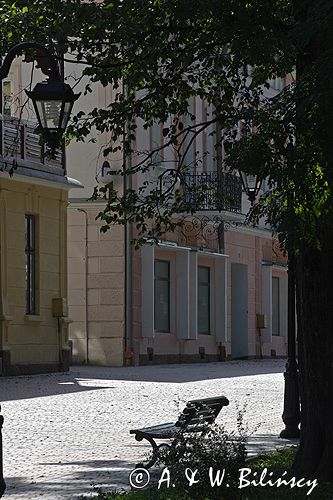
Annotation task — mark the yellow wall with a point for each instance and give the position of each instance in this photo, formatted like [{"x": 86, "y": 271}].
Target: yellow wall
[
  {"x": 95, "y": 287},
  {"x": 34, "y": 339}
]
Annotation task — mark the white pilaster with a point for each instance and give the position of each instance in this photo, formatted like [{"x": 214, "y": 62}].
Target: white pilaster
[
  {"x": 220, "y": 292},
  {"x": 193, "y": 330},
  {"x": 183, "y": 294}
]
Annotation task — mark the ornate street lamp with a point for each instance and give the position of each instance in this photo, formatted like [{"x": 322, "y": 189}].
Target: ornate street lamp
[
  {"x": 291, "y": 410},
  {"x": 251, "y": 184},
  {"x": 52, "y": 99},
  {"x": 291, "y": 404}
]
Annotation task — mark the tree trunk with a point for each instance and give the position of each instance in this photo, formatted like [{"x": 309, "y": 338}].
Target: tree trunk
[
  {"x": 315, "y": 339},
  {"x": 314, "y": 269}
]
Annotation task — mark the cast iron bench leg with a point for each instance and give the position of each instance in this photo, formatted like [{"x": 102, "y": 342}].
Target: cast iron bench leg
[{"x": 154, "y": 456}]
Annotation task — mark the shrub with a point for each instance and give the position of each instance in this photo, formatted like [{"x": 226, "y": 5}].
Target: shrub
[{"x": 212, "y": 457}]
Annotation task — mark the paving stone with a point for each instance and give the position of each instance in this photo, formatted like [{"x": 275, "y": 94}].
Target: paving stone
[{"x": 65, "y": 432}]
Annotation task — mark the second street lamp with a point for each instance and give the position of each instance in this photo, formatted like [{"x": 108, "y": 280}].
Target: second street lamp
[
  {"x": 291, "y": 410},
  {"x": 251, "y": 184}
]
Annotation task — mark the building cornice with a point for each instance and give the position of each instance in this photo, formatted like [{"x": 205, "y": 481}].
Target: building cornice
[{"x": 39, "y": 177}]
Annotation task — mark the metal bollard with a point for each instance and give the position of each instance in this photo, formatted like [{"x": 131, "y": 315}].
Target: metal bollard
[{"x": 2, "y": 481}]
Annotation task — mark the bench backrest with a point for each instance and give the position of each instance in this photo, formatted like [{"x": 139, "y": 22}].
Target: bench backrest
[{"x": 201, "y": 411}]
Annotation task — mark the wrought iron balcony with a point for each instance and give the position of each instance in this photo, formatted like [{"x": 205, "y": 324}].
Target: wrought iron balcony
[
  {"x": 19, "y": 144},
  {"x": 213, "y": 191}
]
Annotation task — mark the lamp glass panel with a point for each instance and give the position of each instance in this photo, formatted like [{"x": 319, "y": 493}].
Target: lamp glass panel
[
  {"x": 49, "y": 113},
  {"x": 252, "y": 182},
  {"x": 244, "y": 179},
  {"x": 40, "y": 111},
  {"x": 66, "y": 113}
]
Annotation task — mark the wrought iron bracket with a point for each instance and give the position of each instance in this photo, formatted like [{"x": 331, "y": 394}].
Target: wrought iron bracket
[
  {"x": 207, "y": 228},
  {"x": 53, "y": 73}
]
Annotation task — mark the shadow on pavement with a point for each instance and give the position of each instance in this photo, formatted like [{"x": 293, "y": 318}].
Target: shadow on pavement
[
  {"x": 259, "y": 444},
  {"x": 180, "y": 373},
  {"x": 106, "y": 474},
  {"x": 89, "y": 378},
  {"x": 37, "y": 386}
]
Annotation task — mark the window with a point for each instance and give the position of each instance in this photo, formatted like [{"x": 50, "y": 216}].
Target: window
[
  {"x": 203, "y": 299},
  {"x": 162, "y": 296},
  {"x": 276, "y": 306},
  {"x": 30, "y": 263}
]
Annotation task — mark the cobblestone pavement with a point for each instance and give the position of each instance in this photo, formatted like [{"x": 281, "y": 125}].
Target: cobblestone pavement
[{"x": 64, "y": 432}]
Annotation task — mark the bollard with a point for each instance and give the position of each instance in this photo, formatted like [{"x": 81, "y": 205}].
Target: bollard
[{"x": 2, "y": 481}]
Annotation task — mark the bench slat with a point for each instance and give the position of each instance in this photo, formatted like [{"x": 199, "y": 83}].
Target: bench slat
[
  {"x": 204, "y": 413},
  {"x": 197, "y": 407},
  {"x": 216, "y": 399},
  {"x": 158, "y": 431},
  {"x": 160, "y": 427}
]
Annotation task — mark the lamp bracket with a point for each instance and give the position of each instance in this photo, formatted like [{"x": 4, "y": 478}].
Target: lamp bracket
[{"x": 53, "y": 73}]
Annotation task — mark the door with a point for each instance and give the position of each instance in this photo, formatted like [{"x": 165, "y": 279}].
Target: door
[{"x": 239, "y": 311}]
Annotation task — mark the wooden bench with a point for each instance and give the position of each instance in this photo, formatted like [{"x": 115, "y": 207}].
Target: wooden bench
[{"x": 195, "y": 417}]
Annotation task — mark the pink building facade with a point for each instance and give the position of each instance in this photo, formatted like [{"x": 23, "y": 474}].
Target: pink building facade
[
  {"x": 195, "y": 304},
  {"x": 214, "y": 289}
]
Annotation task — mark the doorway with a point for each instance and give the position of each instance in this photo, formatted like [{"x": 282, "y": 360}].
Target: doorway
[{"x": 239, "y": 311}]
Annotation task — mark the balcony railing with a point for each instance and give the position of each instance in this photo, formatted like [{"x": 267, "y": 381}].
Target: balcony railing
[
  {"x": 213, "y": 191},
  {"x": 19, "y": 144}
]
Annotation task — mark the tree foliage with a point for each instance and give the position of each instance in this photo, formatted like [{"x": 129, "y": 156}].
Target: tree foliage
[
  {"x": 157, "y": 54},
  {"x": 166, "y": 52}
]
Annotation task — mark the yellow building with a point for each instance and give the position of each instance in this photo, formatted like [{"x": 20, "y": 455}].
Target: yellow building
[{"x": 33, "y": 255}]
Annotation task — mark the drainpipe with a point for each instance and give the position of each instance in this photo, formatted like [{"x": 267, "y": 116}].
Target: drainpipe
[
  {"x": 128, "y": 295},
  {"x": 86, "y": 285}
]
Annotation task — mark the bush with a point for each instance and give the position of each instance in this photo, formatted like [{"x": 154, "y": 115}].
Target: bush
[{"x": 211, "y": 457}]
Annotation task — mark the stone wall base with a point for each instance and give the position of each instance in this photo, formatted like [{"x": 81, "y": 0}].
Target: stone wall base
[
  {"x": 163, "y": 359},
  {"x": 9, "y": 369}
]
